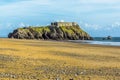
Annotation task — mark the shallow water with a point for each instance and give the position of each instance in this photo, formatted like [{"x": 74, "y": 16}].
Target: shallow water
[
  {"x": 105, "y": 43},
  {"x": 113, "y": 39},
  {"x": 99, "y": 40}
]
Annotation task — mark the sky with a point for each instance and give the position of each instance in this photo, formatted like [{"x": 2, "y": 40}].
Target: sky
[{"x": 99, "y": 18}]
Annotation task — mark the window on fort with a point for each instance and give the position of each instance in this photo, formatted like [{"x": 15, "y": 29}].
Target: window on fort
[{"x": 54, "y": 23}]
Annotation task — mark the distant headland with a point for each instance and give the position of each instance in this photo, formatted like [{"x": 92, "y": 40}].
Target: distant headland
[{"x": 55, "y": 31}]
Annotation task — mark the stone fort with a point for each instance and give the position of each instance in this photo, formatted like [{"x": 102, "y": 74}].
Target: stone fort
[{"x": 57, "y": 24}]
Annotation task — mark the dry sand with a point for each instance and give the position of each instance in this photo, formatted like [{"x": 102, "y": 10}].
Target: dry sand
[{"x": 53, "y": 60}]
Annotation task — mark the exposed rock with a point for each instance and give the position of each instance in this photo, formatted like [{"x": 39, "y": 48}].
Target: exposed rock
[
  {"x": 107, "y": 38},
  {"x": 54, "y": 33}
]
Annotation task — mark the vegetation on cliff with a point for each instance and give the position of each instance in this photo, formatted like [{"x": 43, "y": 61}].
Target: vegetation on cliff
[{"x": 47, "y": 32}]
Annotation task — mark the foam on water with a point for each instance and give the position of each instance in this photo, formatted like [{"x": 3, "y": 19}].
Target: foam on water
[
  {"x": 97, "y": 42},
  {"x": 105, "y": 43}
]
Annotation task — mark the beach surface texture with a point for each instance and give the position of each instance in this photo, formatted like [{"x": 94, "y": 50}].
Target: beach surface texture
[{"x": 55, "y": 60}]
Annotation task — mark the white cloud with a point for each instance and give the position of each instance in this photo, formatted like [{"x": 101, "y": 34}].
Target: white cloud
[
  {"x": 22, "y": 7},
  {"x": 22, "y": 24},
  {"x": 41, "y": 7},
  {"x": 98, "y": 12},
  {"x": 9, "y": 24},
  {"x": 6, "y": 26},
  {"x": 92, "y": 26},
  {"x": 115, "y": 25},
  {"x": 99, "y": 1}
]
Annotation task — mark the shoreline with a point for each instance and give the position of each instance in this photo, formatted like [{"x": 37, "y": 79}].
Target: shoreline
[
  {"x": 57, "y": 59},
  {"x": 81, "y": 42},
  {"x": 102, "y": 43}
]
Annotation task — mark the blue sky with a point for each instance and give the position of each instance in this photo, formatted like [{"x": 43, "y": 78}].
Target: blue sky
[{"x": 97, "y": 17}]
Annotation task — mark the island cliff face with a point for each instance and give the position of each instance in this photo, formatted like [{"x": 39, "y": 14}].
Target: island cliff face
[{"x": 50, "y": 33}]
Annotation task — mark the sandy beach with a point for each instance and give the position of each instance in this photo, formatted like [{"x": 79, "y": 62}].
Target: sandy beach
[{"x": 54, "y": 60}]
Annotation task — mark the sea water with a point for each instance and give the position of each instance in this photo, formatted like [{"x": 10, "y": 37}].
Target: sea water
[{"x": 115, "y": 41}]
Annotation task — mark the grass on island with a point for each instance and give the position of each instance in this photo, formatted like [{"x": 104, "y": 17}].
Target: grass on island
[{"x": 53, "y": 60}]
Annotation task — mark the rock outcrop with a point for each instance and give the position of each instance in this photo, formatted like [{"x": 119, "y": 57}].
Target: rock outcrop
[{"x": 53, "y": 33}]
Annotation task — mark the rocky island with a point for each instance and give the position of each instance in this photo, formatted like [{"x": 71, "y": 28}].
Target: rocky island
[{"x": 55, "y": 31}]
